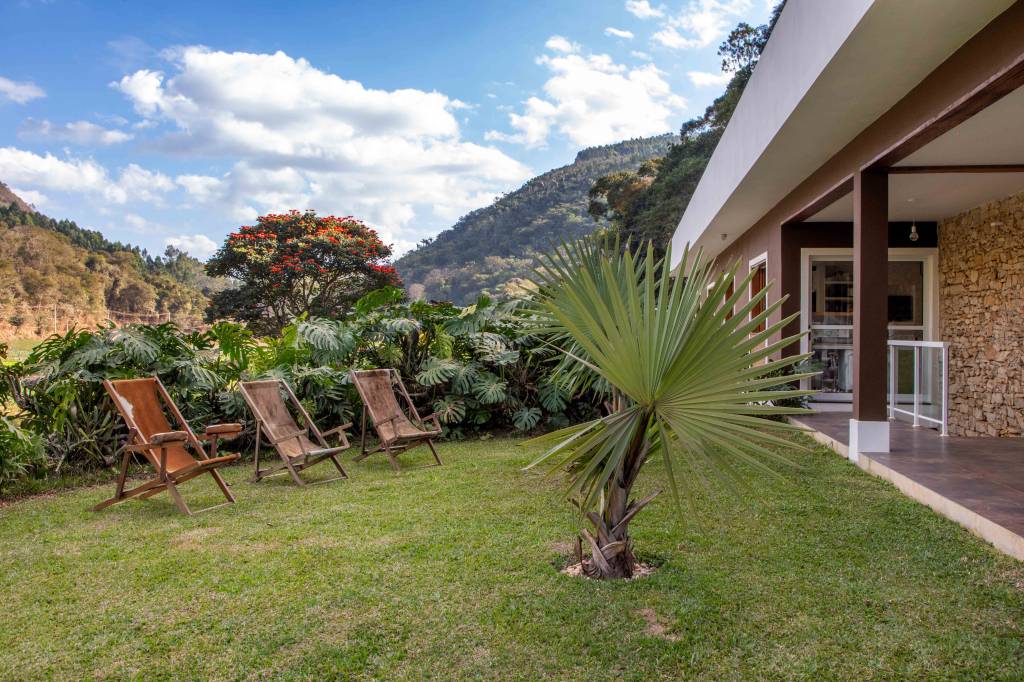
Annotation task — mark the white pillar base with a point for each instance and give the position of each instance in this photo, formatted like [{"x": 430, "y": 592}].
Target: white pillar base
[{"x": 868, "y": 436}]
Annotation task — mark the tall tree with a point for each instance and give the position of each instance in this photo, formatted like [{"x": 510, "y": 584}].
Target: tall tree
[{"x": 295, "y": 263}]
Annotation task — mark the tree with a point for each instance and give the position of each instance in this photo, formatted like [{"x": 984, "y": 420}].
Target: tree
[
  {"x": 646, "y": 204},
  {"x": 296, "y": 263},
  {"x": 690, "y": 377}
]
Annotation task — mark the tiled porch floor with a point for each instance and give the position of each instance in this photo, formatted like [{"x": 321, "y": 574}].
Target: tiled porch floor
[{"x": 983, "y": 475}]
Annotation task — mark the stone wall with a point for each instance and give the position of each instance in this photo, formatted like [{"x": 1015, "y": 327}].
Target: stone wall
[{"x": 981, "y": 280}]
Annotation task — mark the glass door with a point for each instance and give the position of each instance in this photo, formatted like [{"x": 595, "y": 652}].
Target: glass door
[
  {"x": 830, "y": 303},
  {"x": 831, "y": 324}
]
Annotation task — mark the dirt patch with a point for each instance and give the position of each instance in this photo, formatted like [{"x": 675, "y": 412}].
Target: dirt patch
[
  {"x": 576, "y": 570},
  {"x": 195, "y": 538},
  {"x": 562, "y": 547},
  {"x": 656, "y": 628}
]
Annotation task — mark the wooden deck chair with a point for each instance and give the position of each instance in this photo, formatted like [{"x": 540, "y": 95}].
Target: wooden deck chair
[
  {"x": 141, "y": 403},
  {"x": 396, "y": 431},
  {"x": 292, "y": 443}
]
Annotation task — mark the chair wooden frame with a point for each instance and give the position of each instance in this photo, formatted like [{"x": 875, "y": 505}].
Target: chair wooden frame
[
  {"x": 393, "y": 414},
  {"x": 156, "y": 448},
  {"x": 293, "y": 464}
]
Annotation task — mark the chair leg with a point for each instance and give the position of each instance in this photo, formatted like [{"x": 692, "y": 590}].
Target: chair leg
[
  {"x": 430, "y": 444},
  {"x": 294, "y": 473},
  {"x": 257, "y": 476},
  {"x": 222, "y": 484},
  {"x": 337, "y": 465},
  {"x": 394, "y": 460},
  {"x": 150, "y": 493},
  {"x": 178, "y": 501},
  {"x": 362, "y": 439},
  {"x": 143, "y": 491}
]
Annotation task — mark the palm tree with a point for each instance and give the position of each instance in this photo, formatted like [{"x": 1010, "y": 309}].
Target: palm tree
[{"x": 690, "y": 374}]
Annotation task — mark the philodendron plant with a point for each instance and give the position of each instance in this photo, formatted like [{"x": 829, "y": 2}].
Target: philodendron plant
[{"x": 689, "y": 368}]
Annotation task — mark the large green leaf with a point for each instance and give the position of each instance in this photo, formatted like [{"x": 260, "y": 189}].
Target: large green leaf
[
  {"x": 489, "y": 389},
  {"x": 436, "y": 371},
  {"x": 689, "y": 364},
  {"x": 525, "y": 418}
]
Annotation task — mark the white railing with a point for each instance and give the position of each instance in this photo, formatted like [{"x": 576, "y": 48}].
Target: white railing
[{"x": 929, "y": 394}]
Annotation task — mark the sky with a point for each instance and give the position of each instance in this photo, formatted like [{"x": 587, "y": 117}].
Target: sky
[{"x": 175, "y": 123}]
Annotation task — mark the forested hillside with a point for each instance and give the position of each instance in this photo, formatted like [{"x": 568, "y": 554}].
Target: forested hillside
[
  {"x": 639, "y": 188},
  {"x": 492, "y": 246},
  {"x": 53, "y": 274},
  {"x": 646, "y": 203}
]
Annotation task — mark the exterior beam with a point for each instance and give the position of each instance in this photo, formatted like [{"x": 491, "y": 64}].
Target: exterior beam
[{"x": 975, "y": 168}]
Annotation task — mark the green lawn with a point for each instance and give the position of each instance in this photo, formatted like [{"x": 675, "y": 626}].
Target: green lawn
[
  {"x": 452, "y": 573},
  {"x": 19, "y": 349}
]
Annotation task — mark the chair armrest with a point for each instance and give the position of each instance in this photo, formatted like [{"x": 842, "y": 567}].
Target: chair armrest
[
  {"x": 337, "y": 429},
  {"x": 161, "y": 439},
  {"x": 433, "y": 418},
  {"x": 221, "y": 431}
]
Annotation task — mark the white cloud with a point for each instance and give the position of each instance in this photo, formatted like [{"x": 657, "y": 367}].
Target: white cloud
[
  {"x": 561, "y": 44},
  {"x": 203, "y": 188},
  {"x": 593, "y": 100},
  {"x": 20, "y": 92},
  {"x": 197, "y": 245},
  {"x": 299, "y": 137},
  {"x": 640, "y": 55},
  {"x": 85, "y": 176},
  {"x": 704, "y": 79},
  {"x": 31, "y": 196},
  {"x": 643, "y": 9},
  {"x": 619, "y": 33},
  {"x": 701, "y": 23},
  {"x": 77, "y": 132},
  {"x": 140, "y": 184}
]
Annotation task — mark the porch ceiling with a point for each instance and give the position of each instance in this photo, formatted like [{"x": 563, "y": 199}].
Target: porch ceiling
[{"x": 991, "y": 137}]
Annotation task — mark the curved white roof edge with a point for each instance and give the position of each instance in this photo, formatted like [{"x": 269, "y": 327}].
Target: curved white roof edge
[{"x": 830, "y": 69}]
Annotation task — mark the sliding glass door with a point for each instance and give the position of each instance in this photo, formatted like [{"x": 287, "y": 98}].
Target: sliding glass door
[{"x": 828, "y": 314}]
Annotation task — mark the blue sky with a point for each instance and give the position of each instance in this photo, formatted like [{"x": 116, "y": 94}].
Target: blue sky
[{"x": 163, "y": 123}]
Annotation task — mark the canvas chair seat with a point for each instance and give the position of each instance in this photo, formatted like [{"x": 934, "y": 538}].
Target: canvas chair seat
[
  {"x": 400, "y": 428},
  {"x": 396, "y": 429},
  {"x": 142, "y": 404},
  {"x": 294, "y": 445}
]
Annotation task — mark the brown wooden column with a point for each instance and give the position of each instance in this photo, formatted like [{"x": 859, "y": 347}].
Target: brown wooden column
[{"x": 870, "y": 295}]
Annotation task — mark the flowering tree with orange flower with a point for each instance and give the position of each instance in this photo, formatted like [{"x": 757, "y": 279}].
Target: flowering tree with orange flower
[{"x": 293, "y": 263}]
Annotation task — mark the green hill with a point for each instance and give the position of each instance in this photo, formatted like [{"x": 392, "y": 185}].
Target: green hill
[
  {"x": 55, "y": 274},
  {"x": 491, "y": 246},
  {"x": 638, "y": 189}
]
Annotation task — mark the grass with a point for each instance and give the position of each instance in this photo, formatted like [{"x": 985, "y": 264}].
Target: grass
[
  {"x": 19, "y": 349},
  {"x": 452, "y": 573}
]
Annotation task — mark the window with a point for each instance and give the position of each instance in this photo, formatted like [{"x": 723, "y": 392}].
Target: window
[{"x": 758, "y": 282}]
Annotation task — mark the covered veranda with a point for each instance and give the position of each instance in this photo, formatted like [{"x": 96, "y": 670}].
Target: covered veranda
[{"x": 943, "y": 422}]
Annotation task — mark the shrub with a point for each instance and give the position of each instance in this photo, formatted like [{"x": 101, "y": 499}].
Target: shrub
[
  {"x": 21, "y": 453},
  {"x": 474, "y": 366}
]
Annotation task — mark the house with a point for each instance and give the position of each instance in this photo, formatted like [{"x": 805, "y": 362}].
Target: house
[{"x": 873, "y": 171}]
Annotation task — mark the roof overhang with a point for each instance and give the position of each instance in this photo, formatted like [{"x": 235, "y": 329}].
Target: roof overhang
[{"x": 831, "y": 68}]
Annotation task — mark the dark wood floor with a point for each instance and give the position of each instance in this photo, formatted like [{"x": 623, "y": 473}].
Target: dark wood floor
[{"x": 986, "y": 475}]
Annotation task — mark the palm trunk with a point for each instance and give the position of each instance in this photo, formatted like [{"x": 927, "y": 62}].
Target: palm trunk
[{"x": 611, "y": 549}]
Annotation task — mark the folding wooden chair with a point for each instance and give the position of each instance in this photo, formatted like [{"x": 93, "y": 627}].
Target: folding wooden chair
[
  {"x": 141, "y": 403},
  {"x": 394, "y": 429},
  {"x": 292, "y": 443}
]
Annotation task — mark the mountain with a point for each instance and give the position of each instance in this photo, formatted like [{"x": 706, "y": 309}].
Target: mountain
[
  {"x": 8, "y": 198},
  {"x": 55, "y": 275},
  {"x": 492, "y": 246}
]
